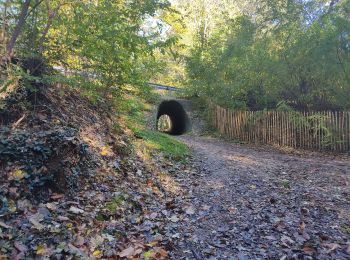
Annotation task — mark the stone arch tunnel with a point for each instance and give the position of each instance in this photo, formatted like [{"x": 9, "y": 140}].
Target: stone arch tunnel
[{"x": 175, "y": 111}]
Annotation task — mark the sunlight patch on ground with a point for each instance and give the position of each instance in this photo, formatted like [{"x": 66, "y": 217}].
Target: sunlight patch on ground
[
  {"x": 243, "y": 159},
  {"x": 165, "y": 179},
  {"x": 90, "y": 136}
]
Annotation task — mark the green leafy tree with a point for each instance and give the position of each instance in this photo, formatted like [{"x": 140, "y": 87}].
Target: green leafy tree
[
  {"x": 292, "y": 51},
  {"x": 105, "y": 45}
]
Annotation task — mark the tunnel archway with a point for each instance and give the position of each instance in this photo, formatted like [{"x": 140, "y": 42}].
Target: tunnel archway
[{"x": 174, "y": 111}]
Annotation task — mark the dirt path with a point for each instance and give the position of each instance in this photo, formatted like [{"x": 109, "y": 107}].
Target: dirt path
[{"x": 250, "y": 203}]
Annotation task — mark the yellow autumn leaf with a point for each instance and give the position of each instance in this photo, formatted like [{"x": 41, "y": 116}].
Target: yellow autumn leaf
[
  {"x": 69, "y": 225},
  {"x": 97, "y": 253},
  {"x": 17, "y": 174},
  {"x": 40, "y": 250},
  {"x": 153, "y": 243},
  {"x": 12, "y": 206},
  {"x": 148, "y": 255},
  {"x": 104, "y": 151}
]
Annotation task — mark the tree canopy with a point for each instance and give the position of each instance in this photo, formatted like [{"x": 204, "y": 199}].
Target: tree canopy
[
  {"x": 106, "y": 41},
  {"x": 244, "y": 54},
  {"x": 261, "y": 54}
]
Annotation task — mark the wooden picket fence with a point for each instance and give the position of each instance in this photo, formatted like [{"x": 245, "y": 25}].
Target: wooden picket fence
[{"x": 307, "y": 130}]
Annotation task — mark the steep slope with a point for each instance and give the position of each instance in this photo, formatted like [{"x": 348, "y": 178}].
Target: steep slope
[{"x": 74, "y": 185}]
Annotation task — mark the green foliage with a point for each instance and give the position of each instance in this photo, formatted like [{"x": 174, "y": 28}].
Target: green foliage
[
  {"x": 168, "y": 145},
  {"x": 115, "y": 203},
  {"x": 111, "y": 45},
  {"x": 243, "y": 54},
  {"x": 103, "y": 46},
  {"x": 133, "y": 109},
  {"x": 283, "y": 106},
  {"x": 15, "y": 76},
  {"x": 9, "y": 78},
  {"x": 33, "y": 159},
  {"x": 291, "y": 51}
]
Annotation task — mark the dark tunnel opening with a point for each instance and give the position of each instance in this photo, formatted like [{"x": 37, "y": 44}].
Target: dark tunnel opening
[{"x": 179, "y": 121}]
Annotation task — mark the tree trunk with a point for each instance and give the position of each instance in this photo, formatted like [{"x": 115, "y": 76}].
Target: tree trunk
[
  {"x": 51, "y": 16},
  {"x": 18, "y": 28},
  {"x": 5, "y": 24}
]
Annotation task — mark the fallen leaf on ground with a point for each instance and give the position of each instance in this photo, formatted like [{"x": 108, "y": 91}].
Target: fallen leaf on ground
[
  {"x": 76, "y": 210},
  {"x": 41, "y": 249},
  {"x": 177, "y": 235},
  {"x": 20, "y": 247},
  {"x": 174, "y": 219},
  {"x": 104, "y": 151},
  {"x": 97, "y": 253},
  {"x": 287, "y": 240},
  {"x": 331, "y": 247},
  {"x": 347, "y": 250},
  {"x": 57, "y": 196},
  {"x": 308, "y": 249},
  {"x": 35, "y": 221},
  {"x": 77, "y": 251},
  {"x": 232, "y": 210},
  {"x": 149, "y": 255},
  {"x": 162, "y": 253},
  {"x": 62, "y": 218},
  {"x": 4, "y": 225},
  {"x": 206, "y": 207},
  {"x": 17, "y": 175},
  {"x": 153, "y": 215},
  {"x": 130, "y": 251},
  {"x": 51, "y": 206},
  {"x": 190, "y": 211},
  {"x": 79, "y": 241}
]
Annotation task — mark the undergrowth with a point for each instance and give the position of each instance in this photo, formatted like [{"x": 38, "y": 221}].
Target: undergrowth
[
  {"x": 164, "y": 143},
  {"x": 135, "y": 110}
]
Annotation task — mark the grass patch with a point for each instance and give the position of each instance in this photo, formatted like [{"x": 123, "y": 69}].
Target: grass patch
[
  {"x": 164, "y": 143},
  {"x": 113, "y": 205},
  {"x": 134, "y": 111},
  {"x": 285, "y": 184}
]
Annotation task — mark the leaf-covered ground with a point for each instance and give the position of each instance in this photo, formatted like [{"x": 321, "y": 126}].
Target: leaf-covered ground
[
  {"x": 76, "y": 184},
  {"x": 259, "y": 203}
]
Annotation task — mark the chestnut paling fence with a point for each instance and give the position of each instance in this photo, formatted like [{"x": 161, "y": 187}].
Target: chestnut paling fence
[{"x": 327, "y": 130}]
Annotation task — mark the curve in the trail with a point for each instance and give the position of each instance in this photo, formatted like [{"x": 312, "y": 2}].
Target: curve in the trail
[{"x": 180, "y": 122}]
